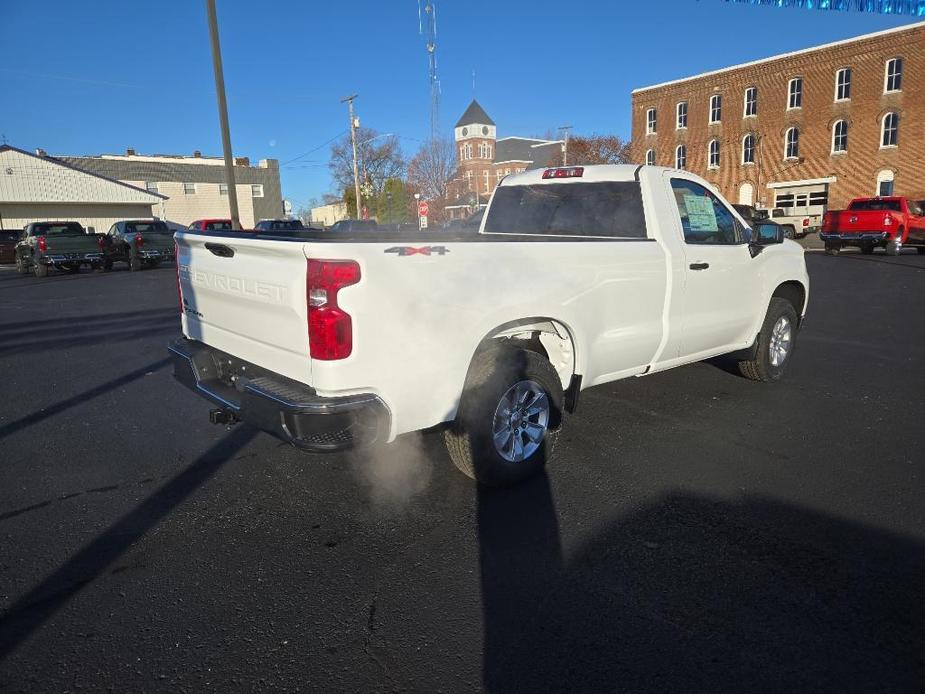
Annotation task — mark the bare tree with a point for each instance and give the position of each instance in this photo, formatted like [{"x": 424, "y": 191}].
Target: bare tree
[
  {"x": 379, "y": 158},
  {"x": 432, "y": 168},
  {"x": 597, "y": 149}
]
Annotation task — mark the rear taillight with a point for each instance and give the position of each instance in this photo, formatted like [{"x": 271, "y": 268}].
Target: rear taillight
[
  {"x": 887, "y": 220},
  {"x": 176, "y": 261},
  {"x": 806, "y": 221},
  {"x": 826, "y": 218},
  {"x": 101, "y": 242},
  {"x": 43, "y": 246},
  {"x": 139, "y": 241},
  {"x": 330, "y": 328}
]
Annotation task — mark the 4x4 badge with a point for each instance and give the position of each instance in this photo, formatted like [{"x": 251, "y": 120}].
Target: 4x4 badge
[{"x": 422, "y": 250}]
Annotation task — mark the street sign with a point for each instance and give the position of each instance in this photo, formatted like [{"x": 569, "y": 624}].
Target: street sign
[
  {"x": 423, "y": 221},
  {"x": 423, "y": 209}
]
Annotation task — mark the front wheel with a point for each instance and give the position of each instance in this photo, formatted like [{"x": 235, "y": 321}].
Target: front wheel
[
  {"x": 775, "y": 343},
  {"x": 21, "y": 266},
  {"x": 867, "y": 249},
  {"x": 509, "y": 417},
  {"x": 832, "y": 249}
]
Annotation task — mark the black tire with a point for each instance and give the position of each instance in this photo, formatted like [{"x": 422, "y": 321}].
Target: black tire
[
  {"x": 21, "y": 266},
  {"x": 789, "y": 233},
  {"x": 41, "y": 270},
  {"x": 832, "y": 249},
  {"x": 867, "y": 249},
  {"x": 104, "y": 266},
  {"x": 895, "y": 246},
  {"x": 469, "y": 439},
  {"x": 761, "y": 367},
  {"x": 134, "y": 262},
  {"x": 72, "y": 269},
  {"x": 920, "y": 250},
  {"x": 153, "y": 263}
]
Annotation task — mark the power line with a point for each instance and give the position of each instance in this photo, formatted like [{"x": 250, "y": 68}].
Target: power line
[{"x": 312, "y": 151}]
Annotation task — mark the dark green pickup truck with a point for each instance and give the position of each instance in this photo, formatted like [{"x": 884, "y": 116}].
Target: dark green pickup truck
[
  {"x": 60, "y": 245},
  {"x": 140, "y": 243}
]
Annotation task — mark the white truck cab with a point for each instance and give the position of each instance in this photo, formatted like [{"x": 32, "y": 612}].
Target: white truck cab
[{"x": 577, "y": 276}]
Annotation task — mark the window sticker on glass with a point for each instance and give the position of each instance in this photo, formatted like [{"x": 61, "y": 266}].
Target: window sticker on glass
[{"x": 700, "y": 213}]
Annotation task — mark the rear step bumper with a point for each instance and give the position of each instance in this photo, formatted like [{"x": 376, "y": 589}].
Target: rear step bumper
[
  {"x": 289, "y": 410},
  {"x": 856, "y": 239}
]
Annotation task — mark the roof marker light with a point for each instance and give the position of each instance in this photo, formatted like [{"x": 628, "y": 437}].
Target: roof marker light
[{"x": 565, "y": 172}]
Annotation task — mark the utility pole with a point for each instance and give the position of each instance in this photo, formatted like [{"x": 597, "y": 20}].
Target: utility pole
[
  {"x": 567, "y": 129},
  {"x": 353, "y": 142},
  {"x": 223, "y": 115}
]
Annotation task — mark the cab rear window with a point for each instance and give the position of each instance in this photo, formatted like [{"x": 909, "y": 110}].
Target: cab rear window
[
  {"x": 606, "y": 209},
  {"x": 875, "y": 205},
  {"x": 147, "y": 227}
]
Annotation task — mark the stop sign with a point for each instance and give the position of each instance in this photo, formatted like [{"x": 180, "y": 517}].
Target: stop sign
[{"x": 423, "y": 209}]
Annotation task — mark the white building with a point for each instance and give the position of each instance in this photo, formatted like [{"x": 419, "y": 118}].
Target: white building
[
  {"x": 194, "y": 186},
  {"x": 37, "y": 188},
  {"x": 326, "y": 215}
]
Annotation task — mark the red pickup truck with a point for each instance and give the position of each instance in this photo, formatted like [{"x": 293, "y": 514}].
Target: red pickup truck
[{"x": 868, "y": 223}]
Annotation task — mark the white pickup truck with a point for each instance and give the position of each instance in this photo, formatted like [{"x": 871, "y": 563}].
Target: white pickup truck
[{"x": 578, "y": 276}]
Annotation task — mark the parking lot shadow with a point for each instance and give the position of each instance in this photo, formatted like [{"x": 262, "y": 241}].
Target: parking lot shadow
[
  {"x": 691, "y": 594},
  {"x": 33, "y": 609},
  {"x": 80, "y": 399}
]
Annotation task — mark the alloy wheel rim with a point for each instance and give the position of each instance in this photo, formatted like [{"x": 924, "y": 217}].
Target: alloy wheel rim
[
  {"x": 521, "y": 421},
  {"x": 781, "y": 337}
]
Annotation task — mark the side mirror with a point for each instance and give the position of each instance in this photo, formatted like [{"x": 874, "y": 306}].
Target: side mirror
[{"x": 767, "y": 234}]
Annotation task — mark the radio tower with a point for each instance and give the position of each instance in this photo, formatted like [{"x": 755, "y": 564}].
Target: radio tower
[{"x": 427, "y": 27}]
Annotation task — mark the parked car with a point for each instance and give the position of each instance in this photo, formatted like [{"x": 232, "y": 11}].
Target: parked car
[
  {"x": 568, "y": 284},
  {"x": 60, "y": 245},
  {"x": 470, "y": 223},
  {"x": 210, "y": 225},
  {"x": 878, "y": 222},
  {"x": 8, "y": 241},
  {"x": 279, "y": 225},
  {"x": 755, "y": 216},
  {"x": 140, "y": 243},
  {"x": 354, "y": 225}
]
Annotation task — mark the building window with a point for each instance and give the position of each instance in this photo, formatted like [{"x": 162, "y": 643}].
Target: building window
[
  {"x": 795, "y": 93},
  {"x": 716, "y": 108},
  {"x": 469, "y": 180},
  {"x": 748, "y": 149},
  {"x": 893, "y": 81},
  {"x": 650, "y": 121},
  {"x": 499, "y": 174},
  {"x": 681, "y": 109},
  {"x": 650, "y": 157},
  {"x": 151, "y": 186},
  {"x": 840, "y": 136},
  {"x": 469, "y": 151},
  {"x": 462, "y": 153},
  {"x": 890, "y": 130},
  {"x": 485, "y": 150},
  {"x": 223, "y": 189},
  {"x": 792, "y": 144},
  {"x": 884, "y": 183},
  {"x": 485, "y": 176},
  {"x": 680, "y": 157},
  {"x": 189, "y": 188},
  {"x": 751, "y": 102},
  {"x": 714, "y": 154},
  {"x": 843, "y": 84},
  {"x": 257, "y": 190}
]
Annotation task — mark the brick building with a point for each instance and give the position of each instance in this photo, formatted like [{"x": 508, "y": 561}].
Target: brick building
[
  {"x": 806, "y": 130},
  {"x": 483, "y": 160}
]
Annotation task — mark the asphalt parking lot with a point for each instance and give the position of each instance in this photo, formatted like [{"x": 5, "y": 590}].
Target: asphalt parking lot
[{"x": 699, "y": 532}]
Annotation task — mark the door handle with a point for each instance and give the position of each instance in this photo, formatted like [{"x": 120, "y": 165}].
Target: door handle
[
  {"x": 220, "y": 250},
  {"x": 699, "y": 266}
]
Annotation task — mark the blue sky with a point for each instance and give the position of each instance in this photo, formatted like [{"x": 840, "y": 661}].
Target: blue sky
[{"x": 88, "y": 78}]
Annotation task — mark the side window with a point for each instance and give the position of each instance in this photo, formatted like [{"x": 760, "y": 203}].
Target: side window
[
  {"x": 704, "y": 219},
  {"x": 112, "y": 230}
]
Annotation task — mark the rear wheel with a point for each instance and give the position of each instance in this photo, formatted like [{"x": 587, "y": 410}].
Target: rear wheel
[
  {"x": 41, "y": 270},
  {"x": 788, "y": 232},
  {"x": 775, "y": 343},
  {"x": 832, "y": 249},
  {"x": 921, "y": 250},
  {"x": 867, "y": 249},
  {"x": 134, "y": 262},
  {"x": 72, "y": 269},
  {"x": 895, "y": 245},
  {"x": 21, "y": 266},
  {"x": 509, "y": 417}
]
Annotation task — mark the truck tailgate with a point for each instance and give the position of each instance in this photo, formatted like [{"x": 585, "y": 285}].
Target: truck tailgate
[{"x": 247, "y": 297}]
